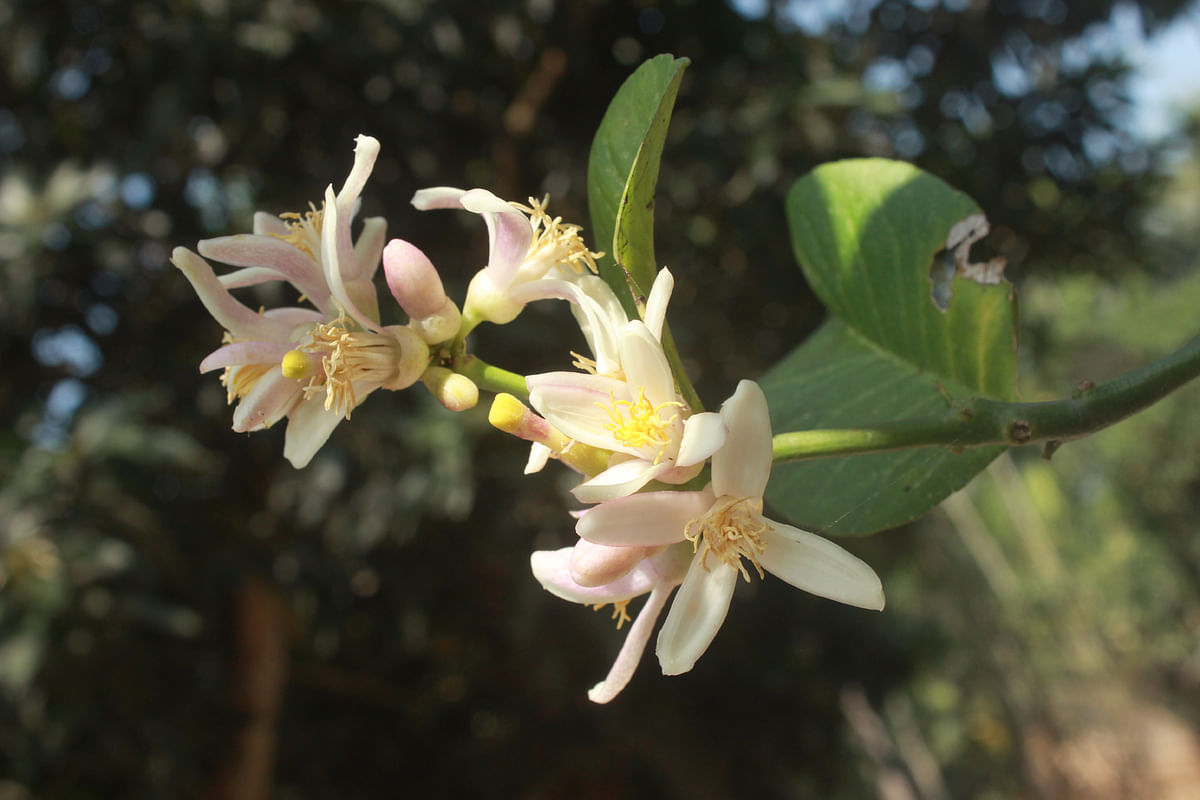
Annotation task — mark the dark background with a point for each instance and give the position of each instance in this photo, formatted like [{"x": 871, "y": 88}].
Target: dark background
[{"x": 183, "y": 614}]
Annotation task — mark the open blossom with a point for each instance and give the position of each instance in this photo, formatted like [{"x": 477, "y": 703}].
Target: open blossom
[
  {"x": 627, "y": 403},
  {"x": 311, "y": 365},
  {"x": 526, "y": 244},
  {"x": 654, "y": 571},
  {"x": 725, "y": 525}
]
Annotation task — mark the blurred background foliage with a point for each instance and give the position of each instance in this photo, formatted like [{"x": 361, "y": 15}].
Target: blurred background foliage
[{"x": 182, "y": 614}]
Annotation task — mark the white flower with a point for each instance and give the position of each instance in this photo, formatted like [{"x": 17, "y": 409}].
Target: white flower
[
  {"x": 633, "y": 410},
  {"x": 637, "y": 571},
  {"x": 311, "y": 365},
  {"x": 526, "y": 245},
  {"x": 725, "y": 525}
]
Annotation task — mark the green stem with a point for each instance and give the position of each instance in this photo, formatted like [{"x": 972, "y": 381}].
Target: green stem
[
  {"x": 681, "y": 377},
  {"x": 983, "y": 422},
  {"x": 490, "y": 378}
]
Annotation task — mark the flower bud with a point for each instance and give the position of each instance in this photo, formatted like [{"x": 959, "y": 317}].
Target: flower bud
[
  {"x": 441, "y": 326},
  {"x": 456, "y": 392},
  {"x": 413, "y": 279}
]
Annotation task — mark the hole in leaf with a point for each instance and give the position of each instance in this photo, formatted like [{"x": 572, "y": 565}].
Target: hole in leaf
[{"x": 954, "y": 258}]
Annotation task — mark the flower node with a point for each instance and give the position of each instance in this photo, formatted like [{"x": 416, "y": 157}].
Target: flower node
[{"x": 731, "y": 530}]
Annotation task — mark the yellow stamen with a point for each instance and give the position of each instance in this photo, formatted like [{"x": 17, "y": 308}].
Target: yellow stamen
[
  {"x": 562, "y": 243},
  {"x": 349, "y": 355},
  {"x": 645, "y": 426},
  {"x": 304, "y": 230},
  {"x": 620, "y": 611},
  {"x": 731, "y": 530}
]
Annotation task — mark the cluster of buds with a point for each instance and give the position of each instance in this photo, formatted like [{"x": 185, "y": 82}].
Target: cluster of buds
[{"x": 619, "y": 419}]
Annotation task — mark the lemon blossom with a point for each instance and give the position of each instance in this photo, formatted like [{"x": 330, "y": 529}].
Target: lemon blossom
[
  {"x": 725, "y": 525},
  {"x": 311, "y": 365},
  {"x": 635, "y": 412},
  {"x": 652, "y": 571},
  {"x": 525, "y": 244}
]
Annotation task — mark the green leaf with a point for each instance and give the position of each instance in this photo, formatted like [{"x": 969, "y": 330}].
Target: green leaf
[
  {"x": 623, "y": 172},
  {"x": 871, "y": 236}
]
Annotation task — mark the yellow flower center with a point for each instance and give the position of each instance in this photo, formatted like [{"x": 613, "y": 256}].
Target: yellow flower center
[
  {"x": 641, "y": 423},
  {"x": 731, "y": 530},
  {"x": 304, "y": 230},
  {"x": 346, "y": 356},
  {"x": 554, "y": 241}
]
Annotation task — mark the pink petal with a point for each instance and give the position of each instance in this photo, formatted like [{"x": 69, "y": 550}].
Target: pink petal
[
  {"x": 244, "y": 353},
  {"x": 438, "y": 197},
  {"x": 412, "y": 279},
  {"x": 366, "y": 150},
  {"x": 290, "y": 263},
  {"x": 335, "y": 246},
  {"x": 648, "y": 519},
  {"x": 268, "y": 224},
  {"x": 224, "y": 308},
  {"x": 271, "y": 399},
  {"x": 630, "y": 654},
  {"x": 369, "y": 247},
  {"x": 509, "y": 231},
  {"x": 598, "y": 564},
  {"x": 552, "y": 570}
]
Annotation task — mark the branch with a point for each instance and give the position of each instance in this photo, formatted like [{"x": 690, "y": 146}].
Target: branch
[{"x": 982, "y": 422}]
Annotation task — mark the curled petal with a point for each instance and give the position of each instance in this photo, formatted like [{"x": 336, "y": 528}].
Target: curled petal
[
  {"x": 648, "y": 519},
  {"x": 631, "y": 651},
  {"x": 819, "y": 566},
  {"x": 438, "y": 197},
  {"x": 539, "y": 454},
  {"x": 289, "y": 262},
  {"x": 366, "y": 150},
  {"x": 509, "y": 231},
  {"x": 231, "y": 355},
  {"x": 696, "y": 615},
  {"x": 703, "y": 435},
  {"x": 656, "y": 303},
  {"x": 645, "y": 363},
  {"x": 620, "y": 480},
  {"x": 224, "y": 308},
  {"x": 595, "y": 308},
  {"x": 335, "y": 247},
  {"x": 552, "y": 569},
  {"x": 743, "y": 465}
]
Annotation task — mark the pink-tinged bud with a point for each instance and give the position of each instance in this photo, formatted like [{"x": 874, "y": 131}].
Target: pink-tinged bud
[
  {"x": 599, "y": 564},
  {"x": 413, "y": 279},
  {"x": 441, "y": 326}
]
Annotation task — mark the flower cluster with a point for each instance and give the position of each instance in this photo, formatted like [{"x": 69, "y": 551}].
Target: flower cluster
[{"x": 619, "y": 418}]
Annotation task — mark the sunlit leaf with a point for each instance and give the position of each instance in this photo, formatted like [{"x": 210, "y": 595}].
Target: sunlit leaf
[
  {"x": 871, "y": 236},
  {"x": 623, "y": 172}
]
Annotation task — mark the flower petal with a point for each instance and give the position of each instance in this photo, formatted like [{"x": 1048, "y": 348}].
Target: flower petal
[
  {"x": 598, "y": 564},
  {"x": 271, "y": 399},
  {"x": 647, "y": 519},
  {"x": 552, "y": 568},
  {"x": 289, "y": 262},
  {"x": 817, "y": 565},
  {"x": 619, "y": 480},
  {"x": 437, "y": 197},
  {"x": 696, "y": 615},
  {"x": 645, "y": 364},
  {"x": 308, "y": 429},
  {"x": 509, "y": 231},
  {"x": 743, "y": 465},
  {"x": 224, "y": 308},
  {"x": 268, "y": 225},
  {"x": 630, "y": 654},
  {"x": 244, "y": 353},
  {"x": 578, "y": 405},
  {"x": 703, "y": 435},
  {"x": 539, "y": 454},
  {"x": 335, "y": 246},
  {"x": 656, "y": 303},
  {"x": 366, "y": 150}
]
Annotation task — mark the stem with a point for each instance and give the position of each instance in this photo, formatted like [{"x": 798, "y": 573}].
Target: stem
[
  {"x": 681, "y": 377},
  {"x": 983, "y": 422},
  {"x": 486, "y": 376}
]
